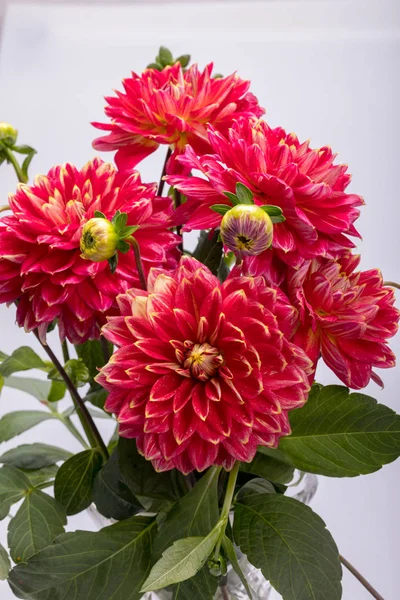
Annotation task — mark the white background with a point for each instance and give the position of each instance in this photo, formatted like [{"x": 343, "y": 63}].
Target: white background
[{"x": 326, "y": 70}]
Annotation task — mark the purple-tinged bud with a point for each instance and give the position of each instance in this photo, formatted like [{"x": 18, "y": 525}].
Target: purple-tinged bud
[{"x": 247, "y": 229}]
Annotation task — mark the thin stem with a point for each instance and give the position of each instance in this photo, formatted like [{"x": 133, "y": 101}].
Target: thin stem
[
  {"x": 177, "y": 203},
  {"x": 226, "y": 507},
  {"x": 4, "y": 208},
  {"x": 224, "y": 592},
  {"x": 392, "y": 284},
  {"x": 162, "y": 182},
  {"x": 11, "y": 159},
  {"x": 360, "y": 578},
  {"x": 105, "y": 348},
  {"x": 84, "y": 415},
  {"x": 65, "y": 351},
  {"x": 139, "y": 264}
]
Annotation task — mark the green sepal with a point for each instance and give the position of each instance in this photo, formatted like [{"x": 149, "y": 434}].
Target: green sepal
[
  {"x": 274, "y": 212},
  {"x": 165, "y": 57},
  {"x": 119, "y": 221},
  {"x": 232, "y": 197},
  {"x": 113, "y": 262},
  {"x": 222, "y": 209},
  {"x": 99, "y": 214},
  {"x": 155, "y": 65},
  {"x": 127, "y": 231},
  {"x": 244, "y": 195},
  {"x": 184, "y": 60},
  {"x": 123, "y": 246}
]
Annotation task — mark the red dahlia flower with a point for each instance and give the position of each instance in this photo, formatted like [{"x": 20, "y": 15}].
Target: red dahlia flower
[
  {"x": 171, "y": 107},
  {"x": 279, "y": 170},
  {"x": 204, "y": 372},
  {"x": 346, "y": 316},
  {"x": 40, "y": 257}
]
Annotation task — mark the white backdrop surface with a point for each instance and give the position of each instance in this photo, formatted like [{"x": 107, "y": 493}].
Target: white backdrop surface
[{"x": 326, "y": 70}]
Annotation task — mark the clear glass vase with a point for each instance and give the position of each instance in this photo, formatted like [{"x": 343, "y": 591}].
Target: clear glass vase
[{"x": 232, "y": 589}]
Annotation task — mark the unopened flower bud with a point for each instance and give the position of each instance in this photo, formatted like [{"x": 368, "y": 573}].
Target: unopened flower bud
[
  {"x": 8, "y": 134},
  {"x": 99, "y": 240},
  {"x": 247, "y": 229}
]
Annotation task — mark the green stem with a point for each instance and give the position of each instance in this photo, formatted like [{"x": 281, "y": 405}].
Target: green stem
[
  {"x": 162, "y": 181},
  {"x": 392, "y": 284},
  {"x": 360, "y": 578},
  {"x": 11, "y": 159},
  {"x": 226, "y": 507},
  {"x": 138, "y": 259},
  {"x": 89, "y": 426},
  {"x": 65, "y": 351}
]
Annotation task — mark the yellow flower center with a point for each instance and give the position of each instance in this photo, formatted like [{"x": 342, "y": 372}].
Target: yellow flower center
[{"x": 202, "y": 360}]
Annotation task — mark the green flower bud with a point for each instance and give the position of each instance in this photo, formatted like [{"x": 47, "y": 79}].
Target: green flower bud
[
  {"x": 247, "y": 229},
  {"x": 8, "y": 135},
  {"x": 99, "y": 240}
]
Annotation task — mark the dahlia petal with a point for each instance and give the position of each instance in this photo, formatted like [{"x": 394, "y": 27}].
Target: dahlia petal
[
  {"x": 200, "y": 402},
  {"x": 165, "y": 387}
]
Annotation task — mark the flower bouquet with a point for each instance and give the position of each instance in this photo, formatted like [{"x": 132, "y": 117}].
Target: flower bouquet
[{"x": 205, "y": 359}]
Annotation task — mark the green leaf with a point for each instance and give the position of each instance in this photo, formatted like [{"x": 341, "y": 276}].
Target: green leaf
[
  {"x": 34, "y": 456},
  {"x": 5, "y": 563},
  {"x": 280, "y": 219},
  {"x": 270, "y": 464},
  {"x": 111, "y": 563},
  {"x": 39, "y": 476},
  {"x": 339, "y": 434},
  {"x": 23, "y": 149},
  {"x": 231, "y": 555},
  {"x": 38, "y": 521},
  {"x": 22, "y": 359},
  {"x": 17, "y": 422},
  {"x": 165, "y": 56},
  {"x": 291, "y": 545},
  {"x": 200, "y": 587},
  {"x": 184, "y": 60},
  {"x": 73, "y": 487},
  {"x": 38, "y": 388},
  {"x": 140, "y": 476},
  {"x": 221, "y": 209},
  {"x": 112, "y": 497},
  {"x": 97, "y": 396},
  {"x": 182, "y": 560},
  {"x": 256, "y": 486},
  {"x": 13, "y": 486},
  {"x": 244, "y": 195},
  {"x": 209, "y": 250},
  {"x": 75, "y": 369},
  {"x": 57, "y": 391},
  {"x": 193, "y": 515},
  {"x": 99, "y": 215},
  {"x": 1, "y": 382}
]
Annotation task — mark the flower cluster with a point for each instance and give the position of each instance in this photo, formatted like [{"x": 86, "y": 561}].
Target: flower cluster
[{"x": 206, "y": 369}]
